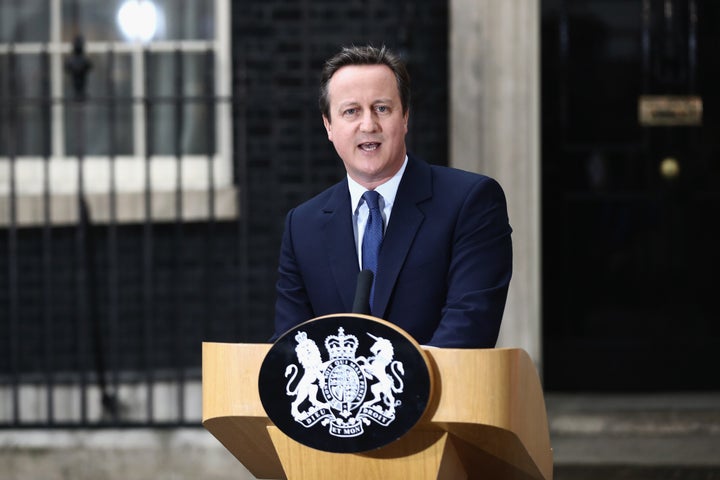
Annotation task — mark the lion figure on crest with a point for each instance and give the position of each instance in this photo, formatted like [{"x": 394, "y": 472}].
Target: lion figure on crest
[{"x": 309, "y": 357}]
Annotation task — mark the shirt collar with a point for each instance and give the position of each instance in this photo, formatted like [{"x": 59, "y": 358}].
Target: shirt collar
[{"x": 387, "y": 190}]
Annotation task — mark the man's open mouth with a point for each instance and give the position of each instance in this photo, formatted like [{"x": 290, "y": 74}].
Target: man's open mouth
[{"x": 369, "y": 146}]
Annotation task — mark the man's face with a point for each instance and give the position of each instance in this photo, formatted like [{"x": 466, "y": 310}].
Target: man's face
[{"x": 367, "y": 125}]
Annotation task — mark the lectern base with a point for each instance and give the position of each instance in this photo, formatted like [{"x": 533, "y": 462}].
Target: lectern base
[{"x": 420, "y": 454}]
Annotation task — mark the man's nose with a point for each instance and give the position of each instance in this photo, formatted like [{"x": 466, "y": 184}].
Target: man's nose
[{"x": 368, "y": 122}]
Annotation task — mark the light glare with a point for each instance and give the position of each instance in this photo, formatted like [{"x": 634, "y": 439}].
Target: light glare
[{"x": 138, "y": 19}]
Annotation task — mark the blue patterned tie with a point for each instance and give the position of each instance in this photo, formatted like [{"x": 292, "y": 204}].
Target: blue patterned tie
[{"x": 372, "y": 239}]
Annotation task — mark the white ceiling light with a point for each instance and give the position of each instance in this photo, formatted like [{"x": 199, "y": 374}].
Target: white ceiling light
[{"x": 138, "y": 19}]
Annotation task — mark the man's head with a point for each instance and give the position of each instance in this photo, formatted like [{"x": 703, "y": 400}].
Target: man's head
[{"x": 364, "y": 101}]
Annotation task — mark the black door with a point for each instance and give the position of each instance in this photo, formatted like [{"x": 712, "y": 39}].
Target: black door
[{"x": 631, "y": 194}]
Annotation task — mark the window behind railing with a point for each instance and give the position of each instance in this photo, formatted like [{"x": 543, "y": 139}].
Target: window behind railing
[{"x": 138, "y": 104}]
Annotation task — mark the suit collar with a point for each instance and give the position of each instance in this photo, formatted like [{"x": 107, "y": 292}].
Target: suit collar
[
  {"x": 339, "y": 241},
  {"x": 415, "y": 187}
]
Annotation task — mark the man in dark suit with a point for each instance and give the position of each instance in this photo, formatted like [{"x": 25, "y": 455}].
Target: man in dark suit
[{"x": 445, "y": 261}]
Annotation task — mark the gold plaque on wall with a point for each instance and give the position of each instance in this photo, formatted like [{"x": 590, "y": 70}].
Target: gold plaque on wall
[{"x": 670, "y": 110}]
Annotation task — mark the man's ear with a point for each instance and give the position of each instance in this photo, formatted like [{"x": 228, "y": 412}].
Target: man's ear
[{"x": 328, "y": 127}]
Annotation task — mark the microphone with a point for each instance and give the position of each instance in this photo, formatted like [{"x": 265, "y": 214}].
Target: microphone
[{"x": 361, "y": 304}]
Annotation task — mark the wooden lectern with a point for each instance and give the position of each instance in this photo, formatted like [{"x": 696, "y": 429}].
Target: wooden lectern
[{"x": 486, "y": 419}]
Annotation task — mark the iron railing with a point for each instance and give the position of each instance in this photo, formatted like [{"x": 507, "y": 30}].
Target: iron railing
[{"x": 102, "y": 321}]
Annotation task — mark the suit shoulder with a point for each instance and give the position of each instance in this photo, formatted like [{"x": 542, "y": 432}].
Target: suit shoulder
[
  {"x": 449, "y": 177},
  {"x": 322, "y": 200}
]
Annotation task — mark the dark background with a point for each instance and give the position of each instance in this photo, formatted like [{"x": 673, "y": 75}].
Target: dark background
[
  {"x": 147, "y": 294},
  {"x": 630, "y": 257}
]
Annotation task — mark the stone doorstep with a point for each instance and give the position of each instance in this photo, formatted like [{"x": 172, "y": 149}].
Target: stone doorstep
[
  {"x": 675, "y": 429},
  {"x": 652, "y": 424}
]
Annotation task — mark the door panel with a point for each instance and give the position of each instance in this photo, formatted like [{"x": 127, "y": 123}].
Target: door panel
[{"x": 630, "y": 204}]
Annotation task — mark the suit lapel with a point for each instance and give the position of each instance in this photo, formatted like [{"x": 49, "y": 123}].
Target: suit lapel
[
  {"x": 405, "y": 220},
  {"x": 340, "y": 243}
]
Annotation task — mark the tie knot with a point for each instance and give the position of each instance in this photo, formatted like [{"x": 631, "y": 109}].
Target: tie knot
[{"x": 372, "y": 199}]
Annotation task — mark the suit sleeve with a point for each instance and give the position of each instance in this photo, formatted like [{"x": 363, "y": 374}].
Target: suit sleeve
[
  {"x": 292, "y": 305},
  {"x": 479, "y": 272}
]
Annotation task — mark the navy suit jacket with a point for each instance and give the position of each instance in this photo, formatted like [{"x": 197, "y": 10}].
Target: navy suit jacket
[{"x": 443, "y": 269}]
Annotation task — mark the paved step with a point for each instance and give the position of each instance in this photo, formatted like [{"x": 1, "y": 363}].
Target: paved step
[
  {"x": 609, "y": 472},
  {"x": 661, "y": 431}
]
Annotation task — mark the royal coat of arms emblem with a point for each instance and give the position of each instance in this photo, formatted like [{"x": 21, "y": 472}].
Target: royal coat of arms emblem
[
  {"x": 344, "y": 391},
  {"x": 345, "y": 383}
]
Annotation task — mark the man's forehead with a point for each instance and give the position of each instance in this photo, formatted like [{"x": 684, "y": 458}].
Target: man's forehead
[{"x": 354, "y": 80}]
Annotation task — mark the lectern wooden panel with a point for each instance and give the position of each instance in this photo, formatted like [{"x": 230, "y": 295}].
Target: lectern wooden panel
[{"x": 487, "y": 419}]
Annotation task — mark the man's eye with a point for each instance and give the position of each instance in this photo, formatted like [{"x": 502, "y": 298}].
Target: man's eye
[
  {"x": 382, "y": 109},
  {"x": 350, "y": 111}
]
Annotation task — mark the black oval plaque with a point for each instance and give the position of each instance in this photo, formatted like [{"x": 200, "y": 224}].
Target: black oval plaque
[{"x": 345, "y": 383}]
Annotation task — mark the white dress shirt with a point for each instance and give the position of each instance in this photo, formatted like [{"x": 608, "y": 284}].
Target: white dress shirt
[{"x": 360, "y": 210}]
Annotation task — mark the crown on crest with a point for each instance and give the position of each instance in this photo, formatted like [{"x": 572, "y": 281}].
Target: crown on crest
[
  {"x": 341, "y": 345},
  {"x": 303, "y": 341}
]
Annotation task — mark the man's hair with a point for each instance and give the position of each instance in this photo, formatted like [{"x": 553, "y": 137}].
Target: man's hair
[{"x": 365, "y": 55}]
